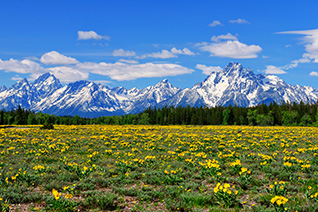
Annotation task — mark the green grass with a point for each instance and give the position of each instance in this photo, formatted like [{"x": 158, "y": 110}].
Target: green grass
[{"x": 159, "y": 168}]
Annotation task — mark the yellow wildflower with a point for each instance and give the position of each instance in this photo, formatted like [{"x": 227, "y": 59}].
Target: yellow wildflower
[
  {"x": 68, "y": 196},
  {"x": 56, "y": 194}
]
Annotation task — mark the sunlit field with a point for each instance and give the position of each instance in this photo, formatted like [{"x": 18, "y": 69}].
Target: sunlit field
[{"x": 159, "y": 168}]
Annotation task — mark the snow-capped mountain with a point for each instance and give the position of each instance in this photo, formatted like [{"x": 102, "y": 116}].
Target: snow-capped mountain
[
  {"x": 233, "y": 85},
  {"x": 135, "y": 100},
  {"x": 150, "y": 96},
  {"x": 27, "y": 94},
  {"x": 46, "y": 84},
  {"x": 3, "y": 88},
  {"x": 236, "y": 85},
  {"x": 22, "y": 93},
  {"x": 82, "y": 98}
]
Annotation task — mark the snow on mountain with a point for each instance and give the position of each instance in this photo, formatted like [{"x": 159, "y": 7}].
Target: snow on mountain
[
  {"x": 234, "y": 85},
  {"x": 46, "y": 84},
  {"x": 22, "y": 93},
  {"x": 27, "y": 94},
  {"x": 82, "y": 98},
  {"x": 3, "y": 88},
  {"x": 152, "y": 96},
  {"x": 135, "y": 100}
]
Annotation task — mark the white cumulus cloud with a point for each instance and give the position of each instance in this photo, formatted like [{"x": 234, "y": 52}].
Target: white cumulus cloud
[
  {"x": 227, "y": 36},
  {"x": 208, "y": 69},
  {"x": 239, "y": 21},
  {"x": 55, "y": 58},
  {"x": 23, "y": 67},
  {"x": 270, "y": 69},
  {"x": 68, "y": 74},
  {"x": 314, "y": 73},
  {"x": 215, "y": 23},
  {"x": 231, "y": 49},
  {"x": 87, "y": 35},
  {"x": 122, "y": 71},
  {"x": 123, "y": 53},
  {"x": 184, "y": 51},
  {"x": 164, "y": 54},
  {"x": 16, "y": 78}
]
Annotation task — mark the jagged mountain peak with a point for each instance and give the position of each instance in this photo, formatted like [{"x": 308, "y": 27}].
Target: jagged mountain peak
[
  {"x": 235, "y": 68},
  {"x": 3, "y": 88},
  {"x": 120, "y": 90},
  {"x": 235, "y": 65},
  {"x": 21, "y": 83},
  {"x": 78, "y": 85},
  {"x": 123, "y": 91},
  {"x": 47, "y": 77},
  {"x": 233, "y": 73},
  {"x": 164, "y": 81},
  {"x": 44, "y": 77},
  {"x": 134, "y": 89},
  {"x": 46, "y": 84},
  {"x": 21, "y": 93},
  {"x": 237, "y": 85}
]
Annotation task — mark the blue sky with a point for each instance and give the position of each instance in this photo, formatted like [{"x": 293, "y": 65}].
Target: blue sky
[{"x": 139, "y": 43}]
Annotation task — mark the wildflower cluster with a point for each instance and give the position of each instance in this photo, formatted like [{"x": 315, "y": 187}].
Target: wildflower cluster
[
  {"x": 61, "y": 202},
  {"x": 226, "y": 194},
  {"x": 70, "y": 188},
  {"x": 314, "y": 196},
  {"x": 236, "y": 166},
  {"x": 312, "y": 193},
  {"x": 244, "y": 171},
  {"x": 292, "y": 163},
  {"x": 278, "y": 188},
  {"x": 278, "y": 202},
  {"x": 210, "y": 166},
  {"x": 4, "y": 205}
]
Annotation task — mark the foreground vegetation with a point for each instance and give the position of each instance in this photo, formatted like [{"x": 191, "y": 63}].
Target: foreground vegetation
[{"x": 153, "y": 168}]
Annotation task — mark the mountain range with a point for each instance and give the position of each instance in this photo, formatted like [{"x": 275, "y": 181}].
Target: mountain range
[{"x": 234, "y": 85}]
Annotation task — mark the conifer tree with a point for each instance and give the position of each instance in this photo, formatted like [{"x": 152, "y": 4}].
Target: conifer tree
[{"x": 2, "y": 117}]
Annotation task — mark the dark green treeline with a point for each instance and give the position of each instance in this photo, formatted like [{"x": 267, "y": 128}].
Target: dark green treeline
[{"x": 286, "y": 114}]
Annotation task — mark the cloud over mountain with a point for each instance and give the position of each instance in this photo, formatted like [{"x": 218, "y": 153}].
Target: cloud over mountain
[
  {"x": 208, "y": 69},
  {"x": 231, "y": 49},
  {"x": 55, "y": 58}
]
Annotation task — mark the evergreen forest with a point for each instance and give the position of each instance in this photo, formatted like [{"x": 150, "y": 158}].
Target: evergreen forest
[{"x": 273, "y": 114}]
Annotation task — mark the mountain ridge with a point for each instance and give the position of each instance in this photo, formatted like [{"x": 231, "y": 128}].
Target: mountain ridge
[{"x": 233, "y": 85}]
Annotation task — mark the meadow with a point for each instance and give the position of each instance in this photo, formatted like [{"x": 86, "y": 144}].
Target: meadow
[{"x": 159, "y": 168}]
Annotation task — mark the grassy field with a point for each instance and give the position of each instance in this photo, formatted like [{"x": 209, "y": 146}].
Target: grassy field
[{"x": 159, "y": 168}]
